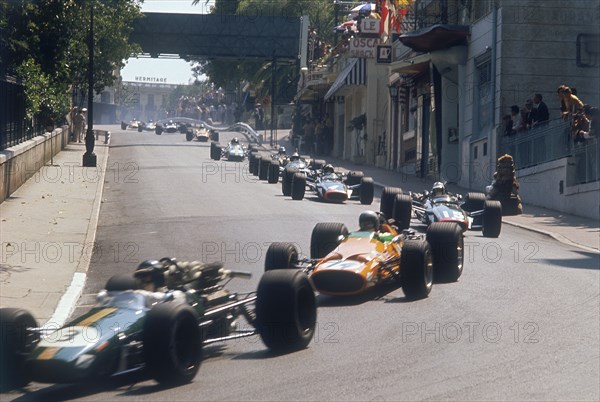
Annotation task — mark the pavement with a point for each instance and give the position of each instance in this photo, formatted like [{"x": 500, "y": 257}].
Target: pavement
[{"x": 48, "y": 228}]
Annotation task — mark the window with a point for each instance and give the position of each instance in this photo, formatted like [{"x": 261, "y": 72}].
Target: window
[
  {"x": 485, "y": 149},
  {"x": 480, "y": 8},
  {"x": 475, "y": 152}
]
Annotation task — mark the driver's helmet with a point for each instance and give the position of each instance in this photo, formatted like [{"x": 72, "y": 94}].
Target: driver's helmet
[
  {"x": 438, "y": 189},
  {"x": 328, "y": 169},
  {"x": 368, "y": 221},
  {"x": 235, "y": 140},
  {"x": 202, "y": 125},
  {"x": 281, "y": 151},
  {"x": 170, "y": 121},
  {"x": 151, "y": 275},
  {"x": 295, "y": 156}
]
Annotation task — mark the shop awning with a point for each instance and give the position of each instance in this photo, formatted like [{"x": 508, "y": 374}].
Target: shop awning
[
  {"x": 436, "y": 37},
  {"x": 355, "y": 73},
  {"x": 414, "y": 65}
]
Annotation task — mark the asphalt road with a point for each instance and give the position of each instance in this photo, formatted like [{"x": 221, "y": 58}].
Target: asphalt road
[{"x": 521, "y": 324}]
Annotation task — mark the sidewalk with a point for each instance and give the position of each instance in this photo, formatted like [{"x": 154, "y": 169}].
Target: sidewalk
[
  {"x": 48, "y": 227},
  {"x": 569, "y": 229}
]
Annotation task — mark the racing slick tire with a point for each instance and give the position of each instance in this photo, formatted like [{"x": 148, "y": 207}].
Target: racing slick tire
[
  {"x": 281, "y": 256},
  {"x": 286, "y": 310},
  {"x": 256, "y": 166},
  {"x": 189, "y": 136},
  {"x": 172, "y": 343},
  {"x": 121, "y": 282},
  {"x": 16, "y": 343},
  {"x": 416, "y": 266},
  {"x": 251, "y": 162},
  {"x": 273, "y": 172},
  {"x": 492, "y": 218},
  {"x": 298, "y": 186},
  {"x": 123, "y": 125},
  {"x": 263, "y": 169},
  {"x": 286, "y": 181},
  {"x": 402, "y": 211},
  {"x": 387, "y": 201},
  {"x": 473, "y": 202},
  {"x": 215, "y": 153},
  {"x": 367, "y": 190},
  {"x": 354, "y": 177},
  {"x": 325, "y": 237},
  {"x": 158, "y": 130},
  {"x": 447, "y": 245}
]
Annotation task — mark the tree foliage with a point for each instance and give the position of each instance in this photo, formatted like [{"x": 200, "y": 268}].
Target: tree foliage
[{"x": 50, "y": 38}]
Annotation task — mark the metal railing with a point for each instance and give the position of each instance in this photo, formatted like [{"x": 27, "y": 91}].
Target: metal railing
[{"x": 553, "y": 141}]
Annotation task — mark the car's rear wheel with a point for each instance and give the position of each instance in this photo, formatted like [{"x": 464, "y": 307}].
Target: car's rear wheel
[
  {"x": 298, "y": 186},
  {"x": 251, "y": 161},
  {"x": 172, "y": 343},
  {"x": 286, "y": 181},
  {"x": 189, "y": 136},
  {"x": 158, "y": 130},
  {"x": 388, "y": 196},
  {"x": 447, "y": 245},
  {"x": 274, "y": 172},
  {"x": 354, "y": 177},
  {"x": 281, "y": 255},
  {"x": 416, "y": 269},
  {"x": 263, "y": 169},
  {"x": 367, "y": 190},
  {"x": 402, "y": 211},
  {"x": 256, "y": 166},
  {"x": 215, "y": 151},
  {"x": 286, "y": 310},
  {"x": 318, "y": 163},
  {"x": 17, "y": 341},
  {"x": 325, "y": 237},
  {"x": 492, "y": 218}
]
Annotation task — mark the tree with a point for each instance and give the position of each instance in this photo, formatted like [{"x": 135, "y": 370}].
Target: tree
[{"x": 46, "y": 43}]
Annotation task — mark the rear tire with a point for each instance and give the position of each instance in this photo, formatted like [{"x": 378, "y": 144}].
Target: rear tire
[
  {"x": 387, "y": 201},
  {"x": 492, "y": 218},
  {"x": 274, "y": 172},
  {"x": 367, "y": 190},
  {"x": 256, "y": 166},
  {"x": 172, "y": 343},
  {"x": 17, "y": 341},
  {"x": 325, "y": 237},
  {"x": 189, "y": 136},
  {"x": 354, "y": 178},
  {"x": 298, "y": 186},
  {"x": 402, "y": 211},
  {"x": 286, "y": 310},
  {"x": 318, "y": 164},
  {"x": 447, "y": 245},
  {"x": 281, "y": 256},
  {"x": 416, "y": 269},
  {"x": 286, "y": 181}
]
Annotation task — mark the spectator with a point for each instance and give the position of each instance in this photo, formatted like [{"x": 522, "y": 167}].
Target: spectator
[
  {"x": 529, "y": 114},
  {"x": 540, "y": 111},
  {"x": 515, "y": 117},
  {"x": 259, "y": 116},
  {"x": 586, "y": 125},
  {"x": 508, "y": 125},
  {"x": 78, "y": 125},
  {"x": 571, "y": 102}
]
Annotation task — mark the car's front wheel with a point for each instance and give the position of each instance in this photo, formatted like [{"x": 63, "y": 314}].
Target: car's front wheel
[{"x": 17, "y": 341}]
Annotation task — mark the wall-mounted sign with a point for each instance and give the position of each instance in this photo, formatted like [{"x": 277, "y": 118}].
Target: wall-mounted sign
[
  {"x": 364, "y": 47},
  {"x": 369, "y": 26},
  {"x": 384, "y": 54},
  {"x": 151, "y": 79}
]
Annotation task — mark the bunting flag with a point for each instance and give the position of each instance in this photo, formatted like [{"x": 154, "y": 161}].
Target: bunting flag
[{"x": 391, "y": 19}]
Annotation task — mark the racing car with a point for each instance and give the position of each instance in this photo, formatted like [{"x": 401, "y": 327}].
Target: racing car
[
  {"x": 202, "y": 134},
  {"x": 234, "y": 151},
  {"x": 169, "y": 127},
  {"x": 333, "y": 186},
  {"x": 157, "y": 320},
  {"x": 472, "y": 213},
  {"x": 133, "y": 124},
  {"x": 345, "y": 263}
]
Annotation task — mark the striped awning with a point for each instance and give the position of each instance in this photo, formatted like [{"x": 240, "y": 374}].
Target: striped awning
[{"x": 355, "y": 73}]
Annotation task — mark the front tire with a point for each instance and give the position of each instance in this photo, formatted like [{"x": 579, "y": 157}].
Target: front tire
[
  {"x": 17, "y": 341},
  {"x": 172, "y": 343},
  {"x": 286, "y": 310},
  {"x": 325, "y": 237},
  {"x": 386, "y": 206},
  {"x": 263, "y": 169},
  {"x": 492, "y": 218},
  {"x": 447, "y": 245},
  {"x": 273, "y": 172},
  {"x": 121, "y": 282},
  {"x": 298, "y": 186},
  {"x": 416, "y": 269},
  {"x": 367, "y": 190},
  {"x": 402, "y": 211},
  {"x": 473, "y": 202},
  {"x": 281, "y": 256}
]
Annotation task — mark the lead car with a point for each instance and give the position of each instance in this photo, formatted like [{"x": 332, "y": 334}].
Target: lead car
[{"x": 162, "y": 332}]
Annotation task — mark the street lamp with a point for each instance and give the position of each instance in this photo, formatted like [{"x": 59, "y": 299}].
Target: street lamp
[
  {"x": 394, "y": 125},
  {"x": 393, "y": 92},
  {"x": 89, "y": 158}
]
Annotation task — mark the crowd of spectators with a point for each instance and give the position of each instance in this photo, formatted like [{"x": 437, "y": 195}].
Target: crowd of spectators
[
  {"x": 208, "y": 109},
  {"x": 583, "y": 118}
]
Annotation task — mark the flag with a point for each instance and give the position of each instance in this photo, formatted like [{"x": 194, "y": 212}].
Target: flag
[{"x": 385, "y": 18}]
